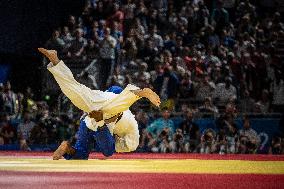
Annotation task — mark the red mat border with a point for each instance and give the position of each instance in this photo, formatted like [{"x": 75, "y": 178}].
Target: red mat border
[
  {"x": 18, "y": 179},
  {"x": 252, "y": 157}
]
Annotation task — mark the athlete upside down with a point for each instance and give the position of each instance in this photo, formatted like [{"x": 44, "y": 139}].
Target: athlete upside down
[{"x": 108, "y": 119}]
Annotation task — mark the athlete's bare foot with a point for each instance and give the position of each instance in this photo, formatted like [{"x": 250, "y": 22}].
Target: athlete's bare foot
[
  {"x": 148, "y": 93},
  {"x": 64, "y": 148},
  {"x": 51, "y": 55}
]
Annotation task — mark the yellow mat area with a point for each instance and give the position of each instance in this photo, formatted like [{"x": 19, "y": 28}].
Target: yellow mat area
[{"x": 144, "y": 166}]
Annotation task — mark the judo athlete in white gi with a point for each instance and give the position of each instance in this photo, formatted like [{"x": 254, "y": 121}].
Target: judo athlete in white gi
[{"x": 108, "y": 119}]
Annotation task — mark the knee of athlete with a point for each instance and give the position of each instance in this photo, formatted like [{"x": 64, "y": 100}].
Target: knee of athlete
[
  {"x": 108, "y": 151},
  {"x": 81, "y": 154}
]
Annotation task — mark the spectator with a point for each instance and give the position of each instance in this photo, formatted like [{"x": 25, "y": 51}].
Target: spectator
[
  {"x": 213, "y": 38},
  {"x": 139, "y": 28},
  {"x": 224, "y": 92},
  {"x": 220, "y": 17},
  {"x": 164, "y": 141},
  {"x": 191, "y": 133},
  {"x": 71, "y": 24},
  {"x": 167, "y": 85},
  {"x": 38, "y": 134},
  {"x": 246, "y": 103},
  {"x": 158, "y": 125},
  {"x": 92, "y": 51},
  {"x": 208, "y": 107},
  {"x": 142, "y": 77},
  {"x": 100, "y": 11},
  {"x": 276, "y": 146},
  {"x": 208, "y": 143},
  {"x": 278, "y": 90},
  {"x": 118, "y": 35},
  {"x": 205, "y": 88},
  {"x": 107, "y": 56},
  {"x": 156, "y": 38},
  {"x": 186, "y": 86},
  {"x": 130, "y": 46},
  {"x": 100, "y": 31},
  {"x": 19, "y": 105},
  {"x": 65, "y": 129},
  {"x": 248, "y": 138},
  {"x": 9, "y": 99},
  {"x": 229, "y": 5},
  {"x": 149, "y": 53},
  {"x": 147, "y": 143},
  {"x": 158, "y": 72},
  {"x": 177, "y": 144},
  {"x": 2, "y": 98},
  {"x": 246, "y": 8},
  {"x": 177, "y": 68},
  {"x": 66, "y": 37},
  {"x": 117, "y": 17},
  {"x": 202, "y": 15},
  {"x": 7, "y": 132},
  {"x": 28, "y": 101},
  {"x": 141, "y": 13},
  {"x": 143, "y": 120},
  {"x": 221, "y": 142},
  {"x": 128, "y": 10},
  {"x": 228, "y": 135},
  {"x": 56, "y": 43},
  {"x": 2, "y": 140},
  {"x": 51, "y": 125},
  {"x": 187, "y": 122},
  {"x": 24, "y": 131},
  {"x": 78, "y": 44},
  {"x": 231, "y": 107},
  {"x": 264, "y": 103}
]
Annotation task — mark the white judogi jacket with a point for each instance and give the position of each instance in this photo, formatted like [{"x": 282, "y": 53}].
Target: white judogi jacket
[{"x": 111, "y": 104}]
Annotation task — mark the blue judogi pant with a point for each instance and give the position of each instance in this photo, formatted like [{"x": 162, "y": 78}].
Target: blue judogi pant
[{"x": 104, "y": 142}]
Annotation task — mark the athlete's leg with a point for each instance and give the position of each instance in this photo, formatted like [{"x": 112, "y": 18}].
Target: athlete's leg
[
  {"x": 105, "y": 141},
  {"x": 80, "y": 150},
  {"x": 81, "y": 96}
]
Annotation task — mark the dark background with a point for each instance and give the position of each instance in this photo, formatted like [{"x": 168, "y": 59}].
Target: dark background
[{"x": 26, "y": 25}]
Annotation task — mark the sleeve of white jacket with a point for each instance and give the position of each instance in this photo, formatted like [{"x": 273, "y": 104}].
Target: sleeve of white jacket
[{"x": 78, "y": 94}]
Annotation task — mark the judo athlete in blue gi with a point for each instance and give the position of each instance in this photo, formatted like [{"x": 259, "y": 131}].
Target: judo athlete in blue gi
[
  {"x": 104, "y": 140},
  {"x": 107, "y": 121}
]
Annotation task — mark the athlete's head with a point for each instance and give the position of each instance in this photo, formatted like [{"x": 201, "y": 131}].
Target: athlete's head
[{"x": 115, "y": 89}]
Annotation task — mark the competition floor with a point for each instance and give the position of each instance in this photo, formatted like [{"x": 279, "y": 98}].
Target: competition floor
[{"x": 37, "y": 170}]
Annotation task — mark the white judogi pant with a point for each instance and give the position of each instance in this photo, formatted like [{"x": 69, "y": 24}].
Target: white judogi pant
[{"x": 111, "y": 104}]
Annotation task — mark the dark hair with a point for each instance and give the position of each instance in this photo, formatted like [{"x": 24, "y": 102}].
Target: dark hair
[{"x": 165, "y": 109}]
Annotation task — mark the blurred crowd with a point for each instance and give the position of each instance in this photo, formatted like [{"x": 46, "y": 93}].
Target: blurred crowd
[
  {"x": 182, "y": 134},
  {"x": 230, "y": 52},
  {"x": 25, "y": 122},
  {"x": 216, "y": 58},
  {"x": 33, "y": 125}
]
